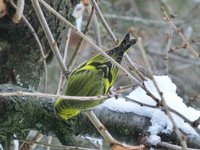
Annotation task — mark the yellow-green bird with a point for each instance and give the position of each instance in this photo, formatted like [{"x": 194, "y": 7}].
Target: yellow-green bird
[{"x": 92, "y": 78}]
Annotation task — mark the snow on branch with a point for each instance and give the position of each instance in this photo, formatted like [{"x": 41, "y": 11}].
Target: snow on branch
[{"x": 146, "y": 106}]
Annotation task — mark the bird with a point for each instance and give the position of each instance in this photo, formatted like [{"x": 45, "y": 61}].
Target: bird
[{"x": 93, "y": 77}]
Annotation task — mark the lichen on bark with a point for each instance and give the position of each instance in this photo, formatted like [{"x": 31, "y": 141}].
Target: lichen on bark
[{"x": 19, "y": 114}]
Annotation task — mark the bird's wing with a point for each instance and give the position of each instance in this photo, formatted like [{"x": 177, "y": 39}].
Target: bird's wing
[{"x": 85, "y": 83}]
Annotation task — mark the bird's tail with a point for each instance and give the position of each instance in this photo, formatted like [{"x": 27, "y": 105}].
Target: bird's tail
[{"x": 126, "y": 43}]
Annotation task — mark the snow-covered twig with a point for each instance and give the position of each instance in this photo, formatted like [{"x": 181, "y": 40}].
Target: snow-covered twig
[
  {"x": 162, "y": 101},
  {"x": 193, "y": 124}
]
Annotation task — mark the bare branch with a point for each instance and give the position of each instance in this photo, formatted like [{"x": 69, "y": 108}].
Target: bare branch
[{"x": 36, "y": 94}]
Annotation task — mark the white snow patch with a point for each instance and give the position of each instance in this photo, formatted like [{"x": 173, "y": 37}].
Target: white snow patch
[
  {"x": 160, "y": 122},
  {"x": 154, "y": 139},
  {"x": 95, "y": 140}
]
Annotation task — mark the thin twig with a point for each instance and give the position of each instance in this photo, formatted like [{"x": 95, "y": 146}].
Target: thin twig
[
  {"x": 170, "y": 34},
  {"x": 187, "y": 44},
  {"x": 163, "y": 102},
  {"x": 97, "y": 30},
  {"x": 61, "y": 79},
  {"x": 136, "y": 71},
  {"x": 165, "y": 145},
  {"x": 104, "y": 21},
  {"x": 67, "y": 45},
  {"x": 80, "y": 43},
  {"x": 64, "y": 97},
  {"x": 139, "y": 20},
  {"x": 176, "y": 57},
  {"x": 162, "y": 109},
  {"x": 121, "y": 89},
  {"x": 49, "y": 36},
  {"x": 39, "y": 45},
  {"x": 55, "y": 146},
  {"x": 139, "y": 103}
]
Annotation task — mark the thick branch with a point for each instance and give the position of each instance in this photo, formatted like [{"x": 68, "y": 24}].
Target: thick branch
[{"x": 19, "y": 114}]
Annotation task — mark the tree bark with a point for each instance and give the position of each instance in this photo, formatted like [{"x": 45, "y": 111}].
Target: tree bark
[{"x": 21, "y": 62}]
